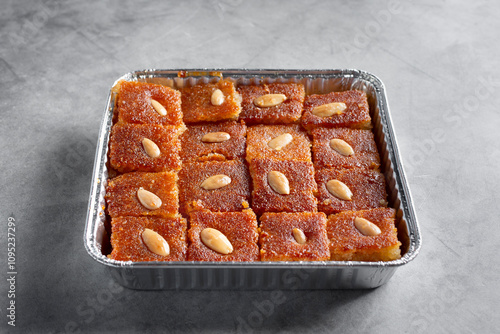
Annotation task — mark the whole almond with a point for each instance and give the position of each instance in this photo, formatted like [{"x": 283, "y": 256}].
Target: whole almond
[
  {"x": 216, "y": 241},
  {"x": 216, "y": 182},
  {"x": 217, "y": 97},
  {"x": 281, "y": 141},
  {"x": 299, "y": 236},
  {"x": 151, "y": 148},
  {"x": 155, "y": 242},
  {"x": 329, "y": 109},
  {"x": 339, "y": 189},
  {"x": 158, "y": 107},
  {"x": 366, "y": 227},
  {"x": 215, "y": 137},
  {"x": 278, "y": 182},
  {"x": 341, "y": 147},
  {"x": 269, "y": 100},
  {"x": 148, "y": 199}
]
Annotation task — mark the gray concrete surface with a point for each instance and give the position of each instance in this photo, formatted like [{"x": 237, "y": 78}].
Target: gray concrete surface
[{"x": 440, "y": 64}]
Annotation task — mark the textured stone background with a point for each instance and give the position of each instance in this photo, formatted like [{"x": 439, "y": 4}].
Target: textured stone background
[{"x": 439, "y": 62}]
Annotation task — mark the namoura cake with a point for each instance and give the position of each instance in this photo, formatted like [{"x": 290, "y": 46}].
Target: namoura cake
[
  {"x": 193, "y": 171},
  {"x": 214, "y": 185},
  {"x": 211, "y": 102},
  {"x": 144, "y": 148},
  {"x": 239, "y": 228},
  {"x": 293, "y": 237},
  {"x": 344, "y": 148},
  {"x": 282, "y": 186},
  {"x": 348, "y": 243},
  {"x": 278, "y": 142},
  {"x": 276, "y": 103},
  {"x": 337, "y": 109},
  {"x": 218, "y": 141},
  {"x": 144, "y": 103},
  {"x": 143, "y": 194},
  {"x": 350, "y": 189},
  {"x": 131, "y": 244}
]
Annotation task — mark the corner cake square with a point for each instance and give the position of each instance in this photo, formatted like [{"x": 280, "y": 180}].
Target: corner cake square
[
  {"x": 129, "y": 149},
  {"x": 279, "y": 240},
  {"x": 366, "y": 187},
  {"x": 348, "y": 243},
  {"x": 211, "y": 102},
  {"x": 278, "y": 142},
  {"x": 286, "y": 112},
  {"x": 301, "y": 186},
  {"x": 124, "y": 195},
  {"x": 196, "y": 192},
  {"x": 129, "y": 245},
  {"x": 350, "y": 110},
  {"x": 344, "y": 148},
  {"x": 219, "y": 141},
  {"x": 138, "y": 103},
  {"x": 240, "y": 229}
]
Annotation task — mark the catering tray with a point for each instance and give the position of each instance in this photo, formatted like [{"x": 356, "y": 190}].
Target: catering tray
[{"x": 260, "y": 275}]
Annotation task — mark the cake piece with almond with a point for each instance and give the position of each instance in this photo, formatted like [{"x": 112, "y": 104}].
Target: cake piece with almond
[
  {"x": 148, "y": 239},
  {"x": 367, "y": 235},
  {"x": 211, "y": 102},
  {"x": 275, "y": 103},
  {"x": 146, "y": 103},
  {"x": 293, "y": 237},
  {"x": 347, "y": 109},
  {"x": 223, "y": 236},
  {"x": 350, "y": 189},
  {"x": 344, "y": 148}
]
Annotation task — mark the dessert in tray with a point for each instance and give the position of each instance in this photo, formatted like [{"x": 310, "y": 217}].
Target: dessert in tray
[{"x": 262, "y": 172}]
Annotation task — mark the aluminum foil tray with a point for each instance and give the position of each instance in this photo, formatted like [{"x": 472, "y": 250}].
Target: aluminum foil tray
[{"x": 260, "y": 275}]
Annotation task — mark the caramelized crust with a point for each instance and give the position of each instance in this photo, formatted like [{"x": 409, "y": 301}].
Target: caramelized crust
[
  {"x": 287, "y": 112},
  {"x": 122, "y": 200},
  {"x": 227, "y": 208},
  {"x": 134, "y": 104},
  {"x": 197, "y": 106},
  {"x": 193, "y": 149},
  {"x": 128, "y": 244},
  {"x": 277, "y": 242},
  {"x": 348, "y": 244},
  {"x": 363, "y": 144},
  {"x": 258, "y": 137},
  {"x": 300, "y": 176},
  {"x": 356, "y": 115},
  {"x": 240, "y": 228},
  {"x": 127, "y": 153},
  {"x": 367, "y": 187},
  {"x": 232, "y": 197}
]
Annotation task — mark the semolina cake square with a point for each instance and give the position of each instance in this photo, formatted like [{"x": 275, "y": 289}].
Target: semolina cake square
[
  {"x": 234, "y": 196},
  {"x": 287, "y": 112},
  {"x": 136, "y": 105},
  {"x": 347, "y": 243},
  {"x": 217, "y": 141},
  {"x": 300, "y": 178},
  {"x": 240, "y": 229},
  {"x": 123, "y": 194},
  {"x": 328, "y": 152},
  {"x": 278, "y": 142},
  {"x": 279, "y": 243},
  {"x": 366, "y": 186},
  {"x": 128, "y": 144},
  {"x": 199, "y": 104},
  {"x": 355, "y": 115},
  {"x": 129, "y": 245}
]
